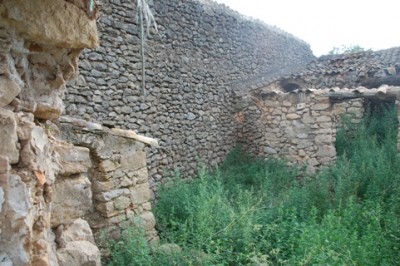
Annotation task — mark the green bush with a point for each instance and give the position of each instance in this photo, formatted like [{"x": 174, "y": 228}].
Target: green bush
[{"x": 251, "y": 212}]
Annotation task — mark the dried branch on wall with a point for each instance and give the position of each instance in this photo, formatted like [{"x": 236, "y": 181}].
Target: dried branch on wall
[{"x": 144, "y": 15}]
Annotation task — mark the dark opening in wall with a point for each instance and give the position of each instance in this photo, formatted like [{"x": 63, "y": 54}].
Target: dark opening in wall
[
  {"x": 381, "y": 118},
  {"x": 291, "y": 87}
]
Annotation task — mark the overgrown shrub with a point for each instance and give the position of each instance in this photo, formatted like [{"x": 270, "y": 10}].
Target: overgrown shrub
[{"x": 251, "y": 212}]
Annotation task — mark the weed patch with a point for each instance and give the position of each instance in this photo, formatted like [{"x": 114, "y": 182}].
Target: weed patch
[{"x": 251, "y": 212}]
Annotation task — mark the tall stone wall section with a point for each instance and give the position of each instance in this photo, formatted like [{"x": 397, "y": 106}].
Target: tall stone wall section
[{"x": 201, "y": 54}]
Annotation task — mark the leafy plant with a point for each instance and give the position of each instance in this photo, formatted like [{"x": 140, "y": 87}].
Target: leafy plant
[{"x": 255, "y": 212}]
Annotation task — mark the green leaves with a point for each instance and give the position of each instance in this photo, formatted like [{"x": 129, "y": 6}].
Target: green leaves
[{"x": 251, "y": 212}]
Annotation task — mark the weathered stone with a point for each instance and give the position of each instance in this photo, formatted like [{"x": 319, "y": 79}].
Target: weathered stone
[
  {"x": 302, "y": 136},
  {"x": 17, "y": 231},
  {"x": 37, "y": 147},
  {"x": 48, "y": 111},
  {"x": 79, "y": 253},
  {"x": 73, "y": 159},
  {"x": 122, "y": 203},
  {"x": 140, "y": 193},
  {"x": 5, "y": 260},
  {"x": 8, "y": 91},
  {"x": 47, "y": 23},
  {"x": 110, "y": 195},
  {"x": 323, "y": 139},
  {"x": 126, "y": 182},
  {"x": 107, "y": 166},
  {"x": 134, "y": 160},
  {"x": 326, "y": 151},
  {"x": 313, "y": 162},
  {"x": 72, "y": 199},
  {"x": 320, "y": 106},
  {"x": 4, "y": 165},
  {"x": 324, "y": 119},
  {"x": 292, "y": 116},
  {"x": 300, "y": 106},
  {"x": 78, "y": 230},
  {"x": 190, "y": 116},
  {"x": 41, "y": 261},
  {"x": 9, "y": 137},
  {"x": 148, "y": 221},
  {"x": 269, "y": 150},
  {"x": 141, "y": 175},
  {"x": 105, "y": 208},
  {"x": 116, "y": 219},
  {"x": 104, "y": 186},
  {"x": 310, "y": 170}
]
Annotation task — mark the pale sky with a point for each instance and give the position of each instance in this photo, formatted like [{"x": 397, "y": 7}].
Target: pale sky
[{"x": 327, "y": 23}]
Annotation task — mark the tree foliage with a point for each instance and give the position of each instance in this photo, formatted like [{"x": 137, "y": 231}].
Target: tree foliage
[{"x": 347, "y": 49}]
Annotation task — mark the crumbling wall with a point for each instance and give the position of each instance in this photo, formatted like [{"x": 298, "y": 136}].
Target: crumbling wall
[
  {"x": 117, "y": 177},
  {"x": 39, "y": 50},
  {"x": 54, "y": 194},
  {"x": 201, "y": 53},
  {"x": 369, "y": 69},
  {"x": 300, "y": 126},
  {"x": 45, "y": 191}
]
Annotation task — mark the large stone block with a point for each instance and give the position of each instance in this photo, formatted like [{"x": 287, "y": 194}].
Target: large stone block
[
  {"x": 8, "y": 91},
  {"x": 134, "y": 160},
  {"x": 51, "y": 22},
  {"x": 148, "y": 221},
  {"x": 79, "y": 253},
  {"x": 9, "y": 138},
  {"x": 73, "y": 159},
  {"x": 140, "y": 194},
  {"x": 72, "y": 199},
  {"x": 78, "y": 230},
  {"x": 17, "y": 231}
]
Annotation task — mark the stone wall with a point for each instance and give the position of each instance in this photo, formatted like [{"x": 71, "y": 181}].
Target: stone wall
[
  {"x": 370, "y": 69},
  {"x": 114, "y": 164},
  {"x": 300, "y": 126},
  {"x": 33, "y": 71},
  {"x": 201, "y": 53},
  {"x": 46, "y": 195}
]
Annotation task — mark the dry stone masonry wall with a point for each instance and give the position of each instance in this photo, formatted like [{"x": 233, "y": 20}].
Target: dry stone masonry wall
[
  {"x": 117, "y": 174},
  {"x": 370, "y": 69},
  {"x": 201, "y": 53},
  {"x": 300, "y": 126}
]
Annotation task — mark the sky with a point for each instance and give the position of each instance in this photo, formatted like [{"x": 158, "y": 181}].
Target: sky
[{"x": 325, "y": 24}]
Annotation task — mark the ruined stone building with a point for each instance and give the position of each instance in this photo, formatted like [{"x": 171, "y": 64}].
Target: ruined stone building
[{"x": 83, "y": 145}]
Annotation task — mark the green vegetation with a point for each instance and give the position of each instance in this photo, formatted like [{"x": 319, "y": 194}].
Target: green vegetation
[
  {"x": 347, "y": 49},
  {"x": 253, "y": 212}
]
